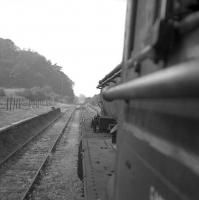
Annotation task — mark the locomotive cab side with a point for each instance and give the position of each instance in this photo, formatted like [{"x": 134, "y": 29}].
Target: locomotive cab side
[{"x": 156, "y": 95}]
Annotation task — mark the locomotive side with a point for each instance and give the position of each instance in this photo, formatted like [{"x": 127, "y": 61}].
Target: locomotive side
[{"x": 156, "y": 90}]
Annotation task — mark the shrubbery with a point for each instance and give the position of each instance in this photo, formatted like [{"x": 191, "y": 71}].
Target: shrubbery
[
  {"x": 37, "y": 93},
  {"x": 2, "y": 92}
]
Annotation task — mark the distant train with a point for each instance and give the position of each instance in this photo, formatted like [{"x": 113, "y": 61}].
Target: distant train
[{"x": 154, "y": 96}]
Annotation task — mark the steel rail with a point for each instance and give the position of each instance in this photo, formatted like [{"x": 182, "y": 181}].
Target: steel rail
[
  {"x": 45, "y": 161},
  {"x": 28, "y": 141}
]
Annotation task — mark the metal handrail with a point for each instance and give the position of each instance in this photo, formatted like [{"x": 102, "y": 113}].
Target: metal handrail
[{"x": 174, "y": 82}]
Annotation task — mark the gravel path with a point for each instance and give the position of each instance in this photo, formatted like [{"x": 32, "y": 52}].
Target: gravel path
[{"x": 60, "y": 180}]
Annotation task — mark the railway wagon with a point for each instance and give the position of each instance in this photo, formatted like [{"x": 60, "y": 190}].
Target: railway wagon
[{"x": 156, "y": 89}]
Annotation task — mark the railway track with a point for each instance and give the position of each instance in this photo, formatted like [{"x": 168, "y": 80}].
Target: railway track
[
  {"x": 20, "y": 172},
  {"x": 60, "y": 179},
  {"x": 86, "y": 116}
]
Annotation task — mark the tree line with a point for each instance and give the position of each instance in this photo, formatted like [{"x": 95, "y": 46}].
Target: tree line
[{"x": 27, "y": 69}]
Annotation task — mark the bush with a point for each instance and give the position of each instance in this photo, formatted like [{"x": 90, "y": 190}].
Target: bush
[
  {"x": 26, "y": 93},
  {"x": 2, "y": 92},
  {"x": 37, "y": 93}
]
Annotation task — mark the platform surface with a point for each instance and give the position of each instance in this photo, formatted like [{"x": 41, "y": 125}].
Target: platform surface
[{"x": 98, "y": 164}]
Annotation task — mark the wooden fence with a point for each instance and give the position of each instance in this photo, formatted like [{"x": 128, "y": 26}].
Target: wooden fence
[{"x": 12, "y": 103}]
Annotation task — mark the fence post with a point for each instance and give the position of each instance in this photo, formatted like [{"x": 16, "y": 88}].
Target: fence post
[
  {"x": 13, "y": 103},
  {"x": 6, "y": 103},
  {"x": 16, "y": 103},
  {"x": 21, "y": 103},
  {"x": 10, "y": 99}
]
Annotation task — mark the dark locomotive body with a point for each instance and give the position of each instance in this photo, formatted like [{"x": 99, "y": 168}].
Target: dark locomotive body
[{"x": 153, "y": 94}]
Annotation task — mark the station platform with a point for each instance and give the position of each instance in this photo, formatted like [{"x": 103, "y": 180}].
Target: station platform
[{"x": 98, "y": 165}]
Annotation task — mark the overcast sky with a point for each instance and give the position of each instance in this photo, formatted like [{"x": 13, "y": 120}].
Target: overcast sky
[{"x": 85, "y": 37}]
